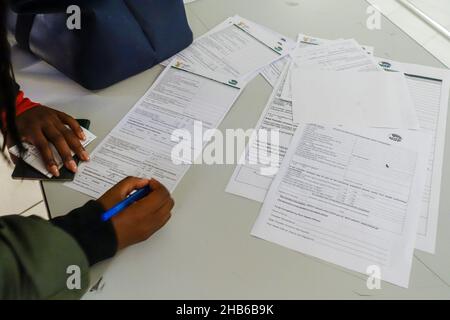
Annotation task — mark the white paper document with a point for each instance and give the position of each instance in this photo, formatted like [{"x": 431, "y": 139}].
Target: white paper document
[
  {"x": 349, "y": 98},
  {"x": 234, "y": 52},
  {"x": 141, "y": 144},
  {"x": 336, "y": 55},
  {"x": 34, "y": 158},
  {"x": 273, "y": 71},
  {"x": 349, "y": 197},
  {"x": 429, "y": 88},
  {"x": 247, "y": 180},
  {"x": 218, "y": 27}
]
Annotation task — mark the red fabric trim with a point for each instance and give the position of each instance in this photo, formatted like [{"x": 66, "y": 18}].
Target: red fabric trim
[{"x": 23, "y": 104}]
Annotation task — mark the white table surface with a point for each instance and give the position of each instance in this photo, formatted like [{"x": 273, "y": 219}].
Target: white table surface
[{"x": 206, "y": 250}]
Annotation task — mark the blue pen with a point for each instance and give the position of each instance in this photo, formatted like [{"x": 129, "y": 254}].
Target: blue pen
[{"x": 132, "y": 198}]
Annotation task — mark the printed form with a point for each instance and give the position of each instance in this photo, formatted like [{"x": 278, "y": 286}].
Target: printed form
[
  {"x": 273, "y": 71},
  {"x": 247, "y": 180},
  {"x": 429, "y": 89},
  {"x": 234, "y": 53},
  {"x": 349, "y": 197},
  {"x": 335, "y": 55},
  {"x": 270, "y": 72},
  {"x": 140, "y": 145}
]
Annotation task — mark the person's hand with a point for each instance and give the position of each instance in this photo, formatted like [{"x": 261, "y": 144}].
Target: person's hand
[
  {"x": 42, "y": 125},
  {"x": 144, "y": 217}
]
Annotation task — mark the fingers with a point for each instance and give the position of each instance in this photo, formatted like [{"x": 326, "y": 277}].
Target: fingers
[
  {"x": 120, "y": 191},
  {"x": 165, "y": 211},
  {"x": 151, "y": 221},
  {"x": 155, "y": 184},
  {"x": 155, "y": 200},
  {"x": 74, "y": 142},
  {"x": 41, "y": 143},
  {"x": 73, "y": 124},
  {"x": 43, "y": 126},
  {"x": 128, "y": 185},
  {"x": 163, "y": 215},
  {"x": 58, "y": 140}
]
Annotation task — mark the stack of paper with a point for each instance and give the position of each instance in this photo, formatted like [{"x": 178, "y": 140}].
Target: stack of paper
[{"x": 360, "y": 149}]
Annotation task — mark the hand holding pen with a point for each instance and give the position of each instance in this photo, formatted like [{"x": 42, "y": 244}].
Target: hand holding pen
[{"x": 142, "y": 215}]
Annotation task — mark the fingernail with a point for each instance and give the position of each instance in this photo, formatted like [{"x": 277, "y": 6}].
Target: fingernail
[
  {"x": 85, "y": 156},
  {"x": 72, "y": 166},
  {"x": 54, "y": 170},
  {"x": 83, "y": 135}
]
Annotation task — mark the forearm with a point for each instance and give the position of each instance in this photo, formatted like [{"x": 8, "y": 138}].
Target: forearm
[{"x": 96, "y": 237}]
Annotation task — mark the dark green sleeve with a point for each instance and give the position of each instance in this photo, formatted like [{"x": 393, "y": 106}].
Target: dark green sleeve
[{"x": 34, "y": 260}]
